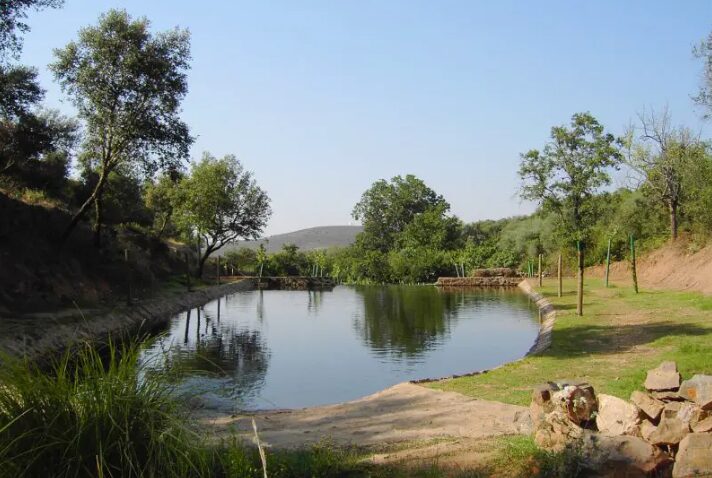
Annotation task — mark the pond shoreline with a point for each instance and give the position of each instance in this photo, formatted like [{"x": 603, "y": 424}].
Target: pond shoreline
[
  {"x": 547, "y": 318},
  {"x": 45, "y": 335}
]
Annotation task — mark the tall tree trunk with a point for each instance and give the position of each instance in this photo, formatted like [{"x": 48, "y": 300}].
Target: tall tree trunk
[
  {"x": 673, "y": 220},
  {"x": 84, "y": 208},
  {"x": 579, "y": 289},
  {"x": 203, "y": 259},
  {"x": 98, "y": 218}
]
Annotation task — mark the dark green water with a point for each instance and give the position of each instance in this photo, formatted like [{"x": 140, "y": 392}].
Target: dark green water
[{"x": 289, "y": 349}]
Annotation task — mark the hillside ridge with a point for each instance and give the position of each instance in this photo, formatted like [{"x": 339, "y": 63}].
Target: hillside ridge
[{"x": 311, "y": 238}]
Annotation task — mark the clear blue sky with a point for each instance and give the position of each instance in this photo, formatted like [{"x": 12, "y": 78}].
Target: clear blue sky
[{"x": 321, "y": 98}]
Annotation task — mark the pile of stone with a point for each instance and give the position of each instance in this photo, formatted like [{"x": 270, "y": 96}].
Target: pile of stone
[{"x": 664, "y": 431}]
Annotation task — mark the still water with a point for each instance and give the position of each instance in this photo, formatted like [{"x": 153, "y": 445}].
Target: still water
[{"x": 289, "y": 349}]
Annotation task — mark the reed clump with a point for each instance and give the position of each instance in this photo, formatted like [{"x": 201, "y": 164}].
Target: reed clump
[{"x": 93, "y": 414}]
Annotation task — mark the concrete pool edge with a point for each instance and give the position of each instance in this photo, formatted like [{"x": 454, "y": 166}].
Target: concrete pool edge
[{"x": 547, "y": 318}]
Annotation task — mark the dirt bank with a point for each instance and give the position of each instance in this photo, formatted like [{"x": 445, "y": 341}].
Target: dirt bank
[
  {"x": 403, "y": 413},
  {"x": 39, "y": 335},
  {"x": 670, "y": 267}
]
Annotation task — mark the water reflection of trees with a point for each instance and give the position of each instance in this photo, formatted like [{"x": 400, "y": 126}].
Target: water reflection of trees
[
  {"x": 405, "y": 320},
  {"x": 218, "y": 350}
]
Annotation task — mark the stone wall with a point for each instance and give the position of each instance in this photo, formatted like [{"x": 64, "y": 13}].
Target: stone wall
[{"x": 495, "y": 281}]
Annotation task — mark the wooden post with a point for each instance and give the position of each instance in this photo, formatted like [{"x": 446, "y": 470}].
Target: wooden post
[
  {"x": 217, "y": 276},
  {"x": 128, "y": 276},
  {"x": 632, "y": 263},
  {"x": 541, "y": 273},
  {"x": 559, "y": 273},
  {"x": 579, "y": 291},
  {"x": 608, "y": 261}
]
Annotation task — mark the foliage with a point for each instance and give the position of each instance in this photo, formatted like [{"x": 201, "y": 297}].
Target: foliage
[
  {"x": 12, "y": 23},
  {"x": 127, "y": 85},
  {"x": 159, "y": 197},
  {"x": 387, "y": 208},
  {"x": 220, "y": 202},
  {"x": 92, "y": 416},
  {"x": 569, "y": 171},
  {"x": 661, "y": 154}
]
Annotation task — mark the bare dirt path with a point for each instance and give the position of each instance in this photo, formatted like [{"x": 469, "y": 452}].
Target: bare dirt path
[{"x": 403, "y": 413}]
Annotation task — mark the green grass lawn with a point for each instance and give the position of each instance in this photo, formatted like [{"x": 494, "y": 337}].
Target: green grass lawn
[{"x": 620, "y": 337}]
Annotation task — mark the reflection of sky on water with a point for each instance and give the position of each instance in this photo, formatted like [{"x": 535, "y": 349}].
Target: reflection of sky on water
[{"x": 286, "y": 349}]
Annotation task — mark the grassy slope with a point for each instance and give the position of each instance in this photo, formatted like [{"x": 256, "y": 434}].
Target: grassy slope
[{"x": 621, "y": 336}]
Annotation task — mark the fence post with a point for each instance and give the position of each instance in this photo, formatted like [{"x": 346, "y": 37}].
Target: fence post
[
  {"x": 632, "y": 263},
  {"x": 559, "y": 274},
  {"x": 608, "y": 261},
  {"x": 540, "y": 272}
]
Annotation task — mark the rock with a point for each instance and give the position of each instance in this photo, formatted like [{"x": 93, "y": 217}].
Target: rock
[
  {"x": 689, "y": 413},
  {"x": 665, "y": 377},
  {"x": 620, "y": 456},
  {"x": 646, "y": 429},
  {"x": 668, "y": 396},
  {"x": 541, "y": 402},
  {"x": 670, "y": 431},
  {"x": 694, "y": 458},
  {"x": 703, "y": 426},
  {"x": 577, "y": 401},
  {"x": 556, "y": 431},
  {"x": 615, "y": 416},
  {"x": 650, "y": 406},
  {"x": 671, "y": 409},
  {"x": 699, "y": 390}
]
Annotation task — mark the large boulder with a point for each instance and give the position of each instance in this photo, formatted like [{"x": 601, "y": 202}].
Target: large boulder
[
  {"x": 665, "y": 377},
  {"x": 670, "y": 431},
  {"x": 616, "y": 417},
  {"x": 541, "y": 404},
  {"x": 620, "y": 456},
  {"x": 649, "y": 405},
  {"x": 694, "y": 458},
  {"x": 699, "y": 390}
]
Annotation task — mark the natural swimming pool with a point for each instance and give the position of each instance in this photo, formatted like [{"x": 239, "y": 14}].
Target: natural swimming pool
[{"x": 288, "y": 349}]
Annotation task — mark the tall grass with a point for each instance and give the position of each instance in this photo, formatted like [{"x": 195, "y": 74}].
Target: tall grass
[{"x": 91, "y": 415}]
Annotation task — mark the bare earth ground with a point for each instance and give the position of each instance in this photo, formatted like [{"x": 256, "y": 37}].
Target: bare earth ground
[
  {"x": 403, "y": 413},
  {"x": 671, "y": 267}
]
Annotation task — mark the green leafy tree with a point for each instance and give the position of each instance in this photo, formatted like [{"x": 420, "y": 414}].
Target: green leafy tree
[
  {"x": 565, "y": 176},
  {"x": 12, "y": 23},
  {"x": 159, "y": 197},
  {"x": 221, "y": 202},
  {"x": 241, "y": 259},
  {"x": 127, "y": 85},
  {"x": 661, "y": 153},
  {"x": 386, "y": 209}
]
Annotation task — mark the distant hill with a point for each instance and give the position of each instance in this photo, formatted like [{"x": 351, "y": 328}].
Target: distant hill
[{"x": 305, "y": 239}]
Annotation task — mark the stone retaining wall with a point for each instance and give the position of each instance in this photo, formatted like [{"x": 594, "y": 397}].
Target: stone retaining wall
[{"x": 492, "y": 281}]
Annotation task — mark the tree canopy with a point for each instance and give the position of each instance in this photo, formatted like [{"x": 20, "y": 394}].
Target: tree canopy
[
  {"x": 220, "y": 202},
  {"x": 388, "y": 207},
  {"x": 127, "y": 85}
]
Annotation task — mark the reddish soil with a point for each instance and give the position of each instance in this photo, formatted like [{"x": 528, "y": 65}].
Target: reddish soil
[{"x": 673, "y": 266}]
